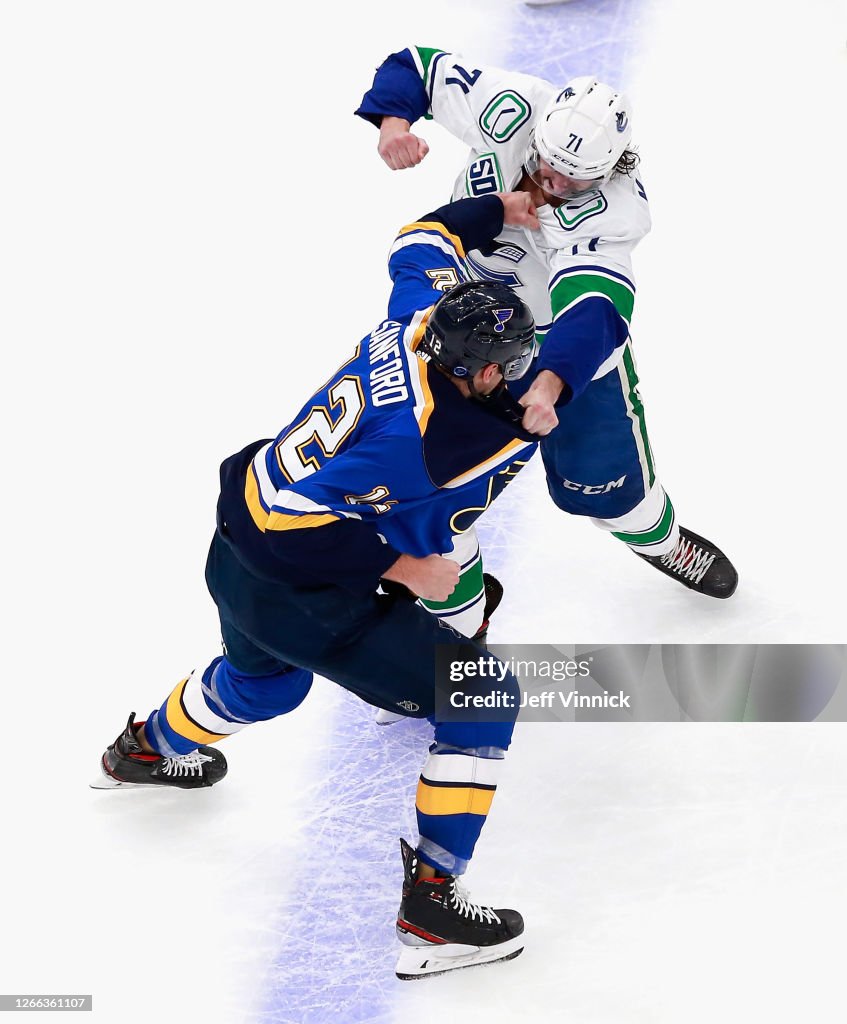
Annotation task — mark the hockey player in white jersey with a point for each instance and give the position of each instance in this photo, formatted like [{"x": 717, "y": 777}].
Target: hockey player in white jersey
[{"x": 570, "y": 149}]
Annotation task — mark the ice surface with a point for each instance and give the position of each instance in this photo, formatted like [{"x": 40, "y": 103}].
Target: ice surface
[
  {"x": 164, "y": 305},
  {"x": 337, "y": 949}
]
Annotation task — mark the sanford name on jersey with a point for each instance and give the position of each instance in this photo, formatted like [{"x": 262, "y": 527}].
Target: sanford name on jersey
[{"x": 388, "y": 380}]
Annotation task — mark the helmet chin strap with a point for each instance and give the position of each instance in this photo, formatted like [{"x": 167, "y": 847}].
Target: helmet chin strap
[
  {"x": 488, "y": 396},
  {"x": 501, "y": 404}
]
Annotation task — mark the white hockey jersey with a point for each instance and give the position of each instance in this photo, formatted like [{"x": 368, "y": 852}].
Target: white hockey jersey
[{"x": 576, "y": 271}]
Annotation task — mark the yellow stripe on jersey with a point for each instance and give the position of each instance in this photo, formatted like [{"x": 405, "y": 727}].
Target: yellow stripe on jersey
[
  {"x": 422, "y": 319},
  {"x": 269, "y": 520},
  {"x": 434, "y": 225},
  {"x": 258, "y": 512},
  {"x": 179, "y": 721},
  {"x": 423, "y": 413},
  {"x": 452, "y": 799},
  {"x": 284, "y": 521},
  {"x": 482, "y": 467}
]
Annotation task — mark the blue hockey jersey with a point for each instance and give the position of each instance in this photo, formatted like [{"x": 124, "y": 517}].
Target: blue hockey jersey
[{"x": 388, "y": 457}]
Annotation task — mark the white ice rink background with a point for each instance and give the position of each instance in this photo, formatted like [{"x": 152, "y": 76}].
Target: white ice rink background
[{"x": 193, "y": 234}]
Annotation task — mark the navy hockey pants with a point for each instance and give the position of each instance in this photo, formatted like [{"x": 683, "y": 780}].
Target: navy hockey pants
[
  {"x": 380, "y": 648},
  {"x": 599, "y": 462}
]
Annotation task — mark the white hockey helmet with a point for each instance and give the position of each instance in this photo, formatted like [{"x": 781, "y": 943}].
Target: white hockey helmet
[{"x": 582, "y": 132}]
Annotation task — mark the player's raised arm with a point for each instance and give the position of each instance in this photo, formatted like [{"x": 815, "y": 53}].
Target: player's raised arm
[
  {"x": 469, "y": 99},
  {"x": 427, "y": 257}
]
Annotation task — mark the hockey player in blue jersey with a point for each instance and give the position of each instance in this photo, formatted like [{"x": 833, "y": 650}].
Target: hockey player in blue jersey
[
  {"x": 366, "y": 483},
  {"x": 569, "y": 149}
]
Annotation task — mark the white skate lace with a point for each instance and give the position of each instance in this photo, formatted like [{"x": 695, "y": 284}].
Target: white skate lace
[
  {"x": 461, "y": 903},
  {"x": 689, "y": 560},
  {"x": 185, "y": 764}
]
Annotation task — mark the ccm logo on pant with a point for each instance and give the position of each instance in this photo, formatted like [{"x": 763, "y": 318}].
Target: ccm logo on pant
[{"x": 594, "y": 488}]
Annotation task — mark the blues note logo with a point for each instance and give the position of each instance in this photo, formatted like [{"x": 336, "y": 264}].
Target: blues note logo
[{"x": 503, "y": 317}]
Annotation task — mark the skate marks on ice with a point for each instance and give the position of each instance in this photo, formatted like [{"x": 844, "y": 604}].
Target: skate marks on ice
[
  {"x": 583, "y": 37},
  {"x": 336, "y": 946},
  {"x": 336, "y": 943}
]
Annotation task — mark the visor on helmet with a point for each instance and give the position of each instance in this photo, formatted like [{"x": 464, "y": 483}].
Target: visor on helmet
[
  {"x": 554, "y": 183},
  {"x": 515, "y": 368}
]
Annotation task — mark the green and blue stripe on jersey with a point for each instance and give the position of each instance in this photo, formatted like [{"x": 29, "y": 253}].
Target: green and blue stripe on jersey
[
  {"x": 592, "y": 308},
  {"x": 403, "y": 86}
]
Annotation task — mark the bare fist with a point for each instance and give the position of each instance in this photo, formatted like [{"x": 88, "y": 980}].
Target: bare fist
[
  {"x": 433, "y": 578},
  {"x": 519, "y": 210},
  {"x": 540, "y": 416},
  {"x": 397, "y": 146}
]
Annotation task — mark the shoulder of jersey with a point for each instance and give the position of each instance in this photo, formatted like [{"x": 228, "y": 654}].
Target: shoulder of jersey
[{"x": 506, "y": 114}]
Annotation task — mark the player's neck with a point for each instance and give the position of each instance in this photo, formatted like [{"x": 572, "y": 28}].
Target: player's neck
[{"x": 460, "y": 385}]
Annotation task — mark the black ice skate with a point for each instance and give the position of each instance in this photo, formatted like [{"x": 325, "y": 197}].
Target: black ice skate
[
  {"x": 698, "y": 564},
  {"x": 441, "y": 930},
  {"x": 126, "y": 764},
  {"x": 493, "y": 597}
]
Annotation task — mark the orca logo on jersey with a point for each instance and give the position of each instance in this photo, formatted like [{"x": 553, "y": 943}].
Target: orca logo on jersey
[
  {"x": 572, "y": 213},
  {"x": 503, "y": 317},
  {"x": 504, "y": 250},
  {"x": 504, "y": 115},
  {"x": 484, "y": 274}
]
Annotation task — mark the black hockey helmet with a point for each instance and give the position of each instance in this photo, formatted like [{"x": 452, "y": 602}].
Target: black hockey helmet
[{"x": 477, "y": 323}]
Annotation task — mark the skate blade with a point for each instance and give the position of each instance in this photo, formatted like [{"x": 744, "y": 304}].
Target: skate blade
[
  {"x": 387, "y": 717},
  {"x": 416, "y": 962},
  {"x": 106, "y": 781}
]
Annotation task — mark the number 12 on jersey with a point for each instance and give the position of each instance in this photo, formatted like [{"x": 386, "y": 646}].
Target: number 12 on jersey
[{"x": 328, "y": 428}]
